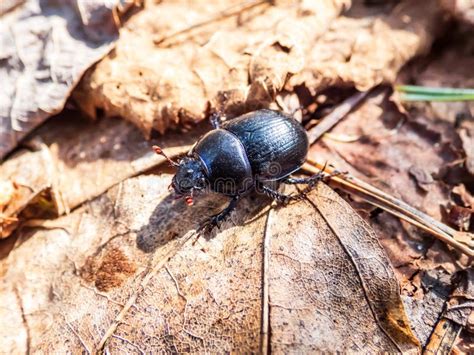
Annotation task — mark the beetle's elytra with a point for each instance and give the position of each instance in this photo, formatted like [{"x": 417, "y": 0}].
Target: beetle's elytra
[{"x": 244, "y": 154}]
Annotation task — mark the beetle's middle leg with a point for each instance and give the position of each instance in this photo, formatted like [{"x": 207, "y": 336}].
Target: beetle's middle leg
[{"x": 221, "y": 216}]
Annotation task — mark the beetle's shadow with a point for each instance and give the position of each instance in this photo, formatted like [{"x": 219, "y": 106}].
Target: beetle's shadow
[{"x": 172, "y": 219}]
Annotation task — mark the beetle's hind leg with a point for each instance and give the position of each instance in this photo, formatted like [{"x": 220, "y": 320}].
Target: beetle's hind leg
[
  {"x": 278, "y": 196},
  {"x": 311, "y": 181},
  {"x": 215, "y": 220},
  {"x": 314, "y": 179}
]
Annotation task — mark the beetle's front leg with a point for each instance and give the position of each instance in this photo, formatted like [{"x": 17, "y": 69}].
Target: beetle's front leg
[{"x": 215, "y": 220}]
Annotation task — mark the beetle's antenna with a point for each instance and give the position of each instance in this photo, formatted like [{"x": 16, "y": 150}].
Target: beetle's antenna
[
  {"x": 189, "y": 200},
  {"x": 160, "y": 151}
]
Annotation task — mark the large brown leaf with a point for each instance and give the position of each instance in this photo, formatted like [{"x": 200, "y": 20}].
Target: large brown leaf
[
  {"x": 125, "y": 272},
  {"x": 175, "y": 59},
  {"x": 164, "y": 74}
]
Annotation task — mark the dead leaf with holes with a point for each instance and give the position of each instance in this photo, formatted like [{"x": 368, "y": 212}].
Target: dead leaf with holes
[{"x": 127, "y": 274}]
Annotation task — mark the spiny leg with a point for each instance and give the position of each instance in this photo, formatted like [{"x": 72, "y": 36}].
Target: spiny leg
[
  {"x": 218, "y": 218},
  {"x": 278, "y": 196},
  {"x": 314, "y": 179},
  {"x": 311, "y": 181}
]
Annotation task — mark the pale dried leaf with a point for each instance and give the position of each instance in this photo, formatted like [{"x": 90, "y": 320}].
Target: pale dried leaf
[{"x": 46, "y": 47}]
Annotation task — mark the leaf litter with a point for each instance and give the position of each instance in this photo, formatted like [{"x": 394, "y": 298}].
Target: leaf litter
[{"x": 163, "y": 280}]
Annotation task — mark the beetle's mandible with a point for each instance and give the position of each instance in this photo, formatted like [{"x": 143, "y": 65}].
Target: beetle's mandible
[{"x": 244, "y": 154}]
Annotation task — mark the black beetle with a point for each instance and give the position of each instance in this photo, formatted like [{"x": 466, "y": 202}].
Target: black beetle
[{"x": 245, "y": 153}]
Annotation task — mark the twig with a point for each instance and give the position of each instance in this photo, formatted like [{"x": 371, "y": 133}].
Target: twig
[
  {"x": 336, "y": 115},
  {"x": 398, "y": 208}
]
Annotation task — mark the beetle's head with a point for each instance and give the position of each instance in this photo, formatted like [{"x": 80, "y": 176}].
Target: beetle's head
[{"x": 189, "y": 177}]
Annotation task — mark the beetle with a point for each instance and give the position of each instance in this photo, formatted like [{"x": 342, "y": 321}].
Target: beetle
[{"x": 252, "y": 151}]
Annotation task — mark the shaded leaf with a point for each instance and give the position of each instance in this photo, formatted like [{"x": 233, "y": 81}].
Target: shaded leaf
[
  {"x": 74, "y": 160},
  {"x": 461, "y": 9}
]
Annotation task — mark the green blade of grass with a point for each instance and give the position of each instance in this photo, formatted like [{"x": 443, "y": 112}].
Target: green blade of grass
[
  {"x": 422, "y": 93},
  {"x": 421, "y": 97}
]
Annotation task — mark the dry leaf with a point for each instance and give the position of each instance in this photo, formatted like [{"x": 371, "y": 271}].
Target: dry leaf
[
  {"x": 76, "y": 160},
  {"x": 237, "y": 63},
  {"x": 161, "y": 75},
  {"x": 418, "y": 157},
  {"x": 363, "y": 50},
  {"x": 46, "y": 47},
  {"x": 130, "y": 276}
]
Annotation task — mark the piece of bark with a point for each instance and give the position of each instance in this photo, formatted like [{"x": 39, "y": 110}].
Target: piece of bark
[
  {"x": 126, "y": 273},
  {"x": 46, "y": 47}
]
